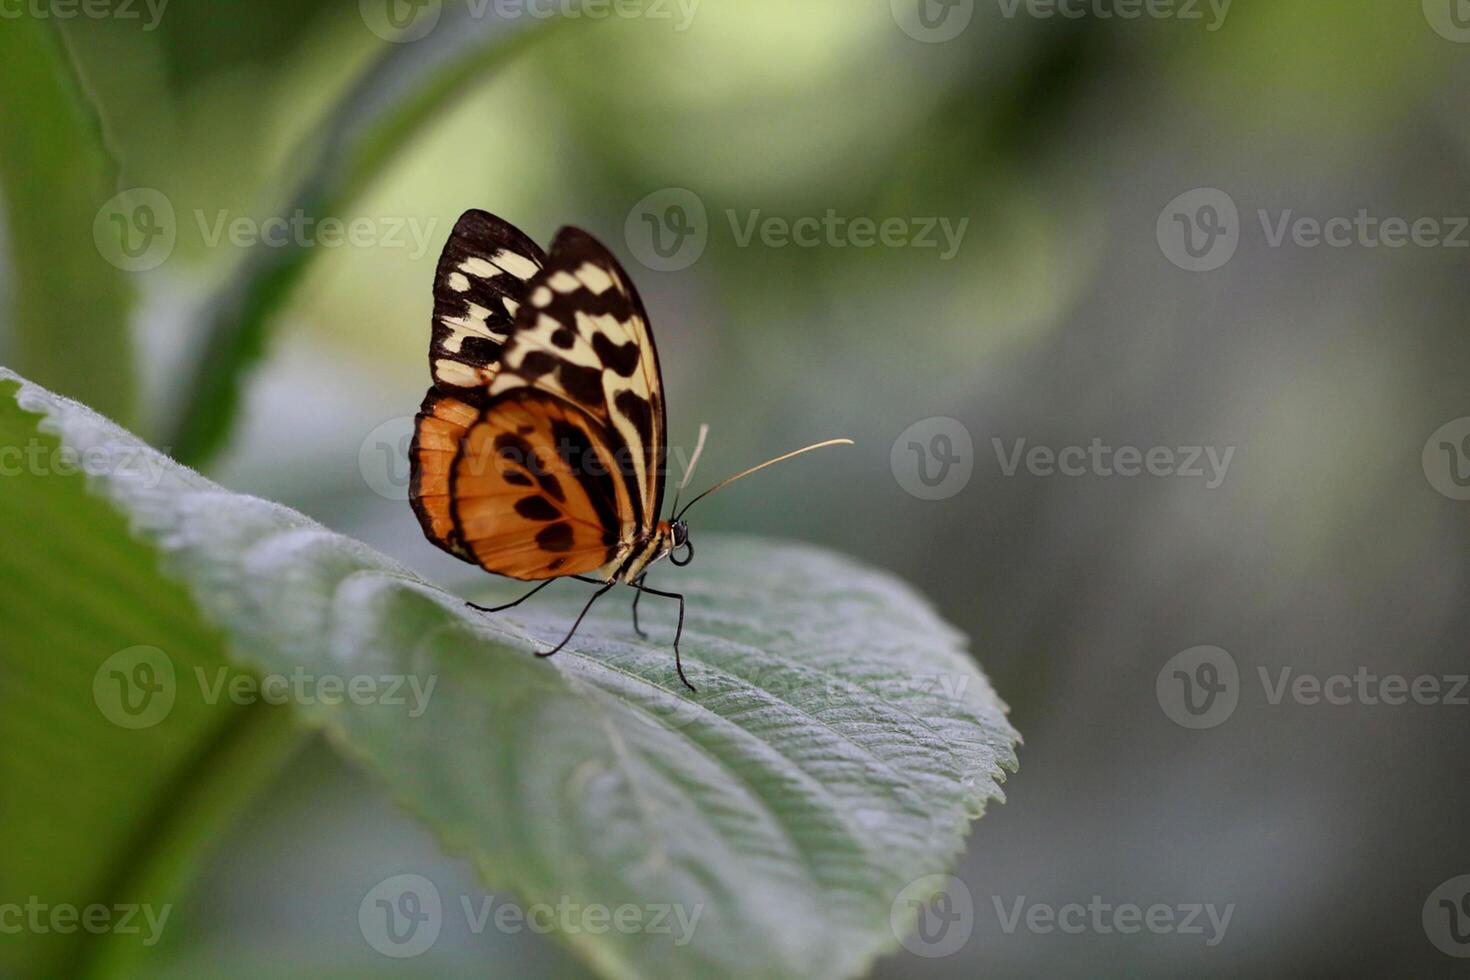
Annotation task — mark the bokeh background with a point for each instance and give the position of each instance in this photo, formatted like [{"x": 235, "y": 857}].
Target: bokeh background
[{"x": 1063, "y": 316}]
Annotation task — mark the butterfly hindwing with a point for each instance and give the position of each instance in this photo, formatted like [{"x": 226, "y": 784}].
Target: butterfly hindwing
[
  {"x": 479, "y": 285},
  {"x": 583, "y": 336},
  {"x": 534, "y": 489}
]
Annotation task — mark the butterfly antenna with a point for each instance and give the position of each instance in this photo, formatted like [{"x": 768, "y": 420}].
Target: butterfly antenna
[
  {"x": 770, "y": 462},
  {"x": 693, "y": 462}
]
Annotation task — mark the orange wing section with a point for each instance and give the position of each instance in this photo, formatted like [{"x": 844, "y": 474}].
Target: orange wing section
[
  {"x": 441, "y": 424},
  {"x": 535, "y": 490}
]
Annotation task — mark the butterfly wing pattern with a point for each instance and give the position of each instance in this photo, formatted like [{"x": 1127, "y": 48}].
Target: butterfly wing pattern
[
  {"x": 540, "y": 450},
  {"x": 584, "y": 338},
  {"x": 536, "y": 492},
  {"x": 479, "y": 284}
]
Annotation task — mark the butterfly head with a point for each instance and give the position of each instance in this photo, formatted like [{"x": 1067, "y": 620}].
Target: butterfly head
[{"x": 679, "y": 538}]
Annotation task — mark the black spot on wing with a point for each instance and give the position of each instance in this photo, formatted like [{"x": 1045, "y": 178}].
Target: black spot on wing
[
  {"x": 536, "y": 363},
  {"x": 537, "y": 509},
  {"x": 476, "y": 350},
  {"x": 621, "y": 359},
  {"x": 555, "y": 537},
  {"x": 582, "y": 384},
  {"x": 551, "y": 486}
]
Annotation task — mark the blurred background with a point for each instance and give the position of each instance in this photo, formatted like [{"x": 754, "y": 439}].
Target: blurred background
[{"x": 1093, "y": 234}]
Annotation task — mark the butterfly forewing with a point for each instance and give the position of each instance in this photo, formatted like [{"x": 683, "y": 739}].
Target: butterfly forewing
[
  {"x": 583, "y": 336},
  {"x": 479, "y": 285}
]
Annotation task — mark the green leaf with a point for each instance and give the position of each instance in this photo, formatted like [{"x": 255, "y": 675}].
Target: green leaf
[
  {"x": 398, "y": 96},
  {"x": 101, "y": 805},
  {"x": 839, "y": 744},
  {"x": 68, "y": 326}
]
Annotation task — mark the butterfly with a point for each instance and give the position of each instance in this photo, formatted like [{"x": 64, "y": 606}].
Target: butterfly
[{"x": 540, "y": 450}]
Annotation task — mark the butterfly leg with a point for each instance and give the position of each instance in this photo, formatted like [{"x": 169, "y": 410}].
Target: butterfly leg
[
  {"x": 517, "y": 602},
  {"x": 638, "y": 594},
  {"x": 568, "y": 637},
  {"x": 678, "y": 632},
  {"x": 508, "y": 605}
]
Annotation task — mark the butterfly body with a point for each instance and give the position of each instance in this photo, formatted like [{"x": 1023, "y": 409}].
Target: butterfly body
[
  {"x": 644, "y": 553},
  {"x": 539, "y": 451}
]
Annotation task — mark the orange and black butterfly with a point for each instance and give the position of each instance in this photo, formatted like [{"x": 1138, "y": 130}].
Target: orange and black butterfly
[{"x": 539, "y": 452}]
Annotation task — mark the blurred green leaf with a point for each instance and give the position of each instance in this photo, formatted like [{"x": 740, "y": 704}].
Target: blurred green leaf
[
  {"x": 839, "y": 743},
  {"x": 100, "y": 804},
  {"x": 394, "y": 100},
  {"x": 69, "y": 328}
]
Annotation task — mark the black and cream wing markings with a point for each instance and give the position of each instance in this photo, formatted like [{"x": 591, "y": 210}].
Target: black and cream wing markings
[
  {"x": 481, "y": 282},
  {"x": 582, "y": 335}
]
